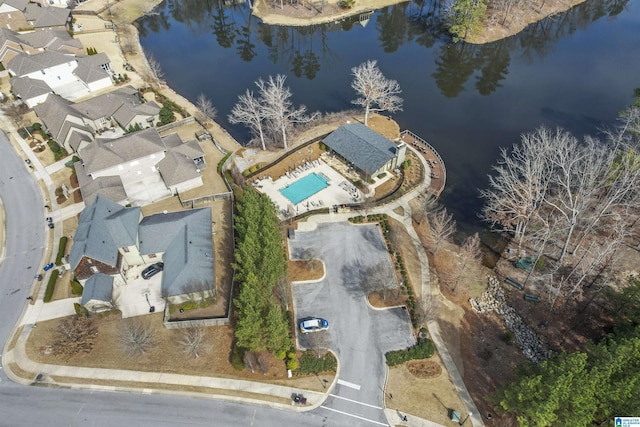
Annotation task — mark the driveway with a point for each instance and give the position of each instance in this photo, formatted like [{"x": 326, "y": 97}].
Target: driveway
[{"x": 359, "y": 334}]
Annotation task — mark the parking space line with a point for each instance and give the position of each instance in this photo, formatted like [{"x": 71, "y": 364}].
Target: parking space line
[
  {"x": 355, "y": 401},
  {"x": 348, "y": 384},
  {"x": 355, "y": 416}
]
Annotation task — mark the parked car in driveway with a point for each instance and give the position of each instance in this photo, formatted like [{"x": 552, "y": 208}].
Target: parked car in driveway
[
  {"x": 152, "y": 270},
  {"x": 313, "y": 324}
]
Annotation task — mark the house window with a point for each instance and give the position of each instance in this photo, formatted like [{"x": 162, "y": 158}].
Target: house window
[
  {"x": 152, "y": 256},
  {"x": 94, "y": 269}
]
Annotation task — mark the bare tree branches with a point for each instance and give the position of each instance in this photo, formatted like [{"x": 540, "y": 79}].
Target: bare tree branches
[
  {"x": 428, "y": 204},
  {"x": 206, "y": 111},
  {"x": 375, "y": 91},
  {"x": 156, "y": 73},
  {"x": 380, "y": 277},
  {"x": 443, "y": 226},
  {"x": 136, "y": 336},
  {"x": 469, "y": 254},
  {"x": 249, "y": 360},
  {"x": 249, "y": 112},
  {"x": 193, "y": 340},
  {"x": 74, "y": 336}
]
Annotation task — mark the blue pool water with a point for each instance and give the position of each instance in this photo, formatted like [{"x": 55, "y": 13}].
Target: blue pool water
[{"x": 304, "y": 188}]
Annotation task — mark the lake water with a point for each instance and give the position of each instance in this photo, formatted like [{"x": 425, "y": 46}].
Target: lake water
[{"x": 575, "y": 70}]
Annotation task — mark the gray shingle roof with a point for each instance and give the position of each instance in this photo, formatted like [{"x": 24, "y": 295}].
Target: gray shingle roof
[
  {"x": 123, "y": 226},
  {"x": 92, "y": 237},
  {"x": 18, "y": 4},
  {"x": 98, "y": 287},
  {"x": 110, "y": 187},
  {"x": 365, "y": 148},
  {"x": 51, "y": 40},
  {"x": 53, "y": 112},
  {"x": 106, "y": 153},
  {"x": 27, "y": 88},
  {"x": 107, "y": 104},
  {"x": 89, "y": 74},
  {"x": 24, "y": 64},
  {"x": 178, "y": 165},
  {"x": 46, "y": 16},
  {"x": 185, "y": 238}
]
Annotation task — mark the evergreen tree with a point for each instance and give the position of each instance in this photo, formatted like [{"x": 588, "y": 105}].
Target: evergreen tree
[{"x": 467, "y": 17}]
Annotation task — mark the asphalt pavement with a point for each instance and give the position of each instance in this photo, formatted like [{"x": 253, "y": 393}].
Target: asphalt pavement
[{"x": 360, "y": 335}]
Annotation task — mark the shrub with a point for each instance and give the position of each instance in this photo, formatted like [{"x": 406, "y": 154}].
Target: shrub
[
  {"x": 76, "y": 287},
  {"x": 281, "y": 354},
  {"x": 36, "y": 126},
  {"x": 422, "y": 350},
  {"x": 51, "y": 285},
  {"x": 166, "y": 114},
  {"x": 310, "y": 364},
  {"x": 237, "y": 355},
  {"x": 55, "y": 147},
  {"x": 81, "y": 311},
  {"x": 292, "y": 364},
  {"x": 189, "y": 305},
  {"x": 346, "y": 4},
  {"x": 224, "y": 159},
  {"x": 507, "y": 337},
  {"x": 62, "y": 247}
]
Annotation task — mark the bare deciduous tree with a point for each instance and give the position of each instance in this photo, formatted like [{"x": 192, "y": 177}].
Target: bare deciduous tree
[
  {"x": 443, "y": 226},
  {"x": 249, "y": 361},
  {"x": 154, "y": 68},
  {"x": 319, "y": 342},
  {"x": 206, "y": 111},
  {"x": 136, "y": 336},
  {"x": 263, "y": 362},
  {"x": 283, "y": 291},
  {"x": 375, "y": 91},
  {"x": 15, "y": 111},
  {"x": 249, "y": 112},
  {"x": 380, "y": 277},
  {"x": 310, "y": 256},
  {"x": 426, "y": 309},
  {"x": 427, "y": 205},
  {"x": 74, "y": 336},
  {"x": 279, "y": 109},
  {"x": 193, "y": 340},
  {"x": 469, "y": 254}
]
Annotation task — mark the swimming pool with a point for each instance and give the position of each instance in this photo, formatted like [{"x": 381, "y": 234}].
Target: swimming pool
[{"x": 304, "y": 188}]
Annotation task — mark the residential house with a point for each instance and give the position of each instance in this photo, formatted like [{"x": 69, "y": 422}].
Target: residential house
[
  {"x": 138, "y": 159},
  {"x": 69, "y": 76},
  {"x": 121, "y": 108},
  {"x": 41, "y": 17},
  {"x": 117, "y": 242},
  {"x": 12, "y": 43},
  {"x": 369, "y": 152},
  {"x": 97, "y": 293}
]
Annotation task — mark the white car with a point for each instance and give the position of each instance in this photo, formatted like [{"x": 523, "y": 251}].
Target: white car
[{"x": 313, "y": 324}]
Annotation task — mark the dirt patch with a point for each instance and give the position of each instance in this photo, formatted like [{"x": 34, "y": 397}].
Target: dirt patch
[
  {"x": 424, "y": 368},
  {"x": 393, "y": 298}
]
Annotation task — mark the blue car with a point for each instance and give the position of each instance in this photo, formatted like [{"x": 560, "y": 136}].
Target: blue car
[
  {"x": 48, "y": 266},
  {"x": 313, "y": 324}
]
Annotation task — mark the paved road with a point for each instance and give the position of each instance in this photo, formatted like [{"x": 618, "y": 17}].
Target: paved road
[
  {"x": 25, "y": 236},
  {"x": 360, "y": 335}
]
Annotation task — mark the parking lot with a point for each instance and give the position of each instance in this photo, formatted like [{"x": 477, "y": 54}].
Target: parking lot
[{"x": 359, "y": 334}]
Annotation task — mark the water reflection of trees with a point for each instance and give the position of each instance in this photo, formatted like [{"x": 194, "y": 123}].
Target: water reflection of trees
[{"x": 304, "y": 50}]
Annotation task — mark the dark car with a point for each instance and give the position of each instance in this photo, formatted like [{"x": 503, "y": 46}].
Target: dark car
[
  {"x": 313, "y": 324},
  {"x": 152, "y": 270},
  {"x": 39, "y": 277},
  {"x": 48, "y": 266},
  {"x": 50, "y": 225}
]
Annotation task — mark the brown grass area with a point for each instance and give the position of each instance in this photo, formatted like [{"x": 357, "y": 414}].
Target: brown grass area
[
  {"x": 394, "y": 297},
  {"x": 301, "y": 270},
  {"x": 385, "y": 126},
  {"x": 427, "y": 398}
]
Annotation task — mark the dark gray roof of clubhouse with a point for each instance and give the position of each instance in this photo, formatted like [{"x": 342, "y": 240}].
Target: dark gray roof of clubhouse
[
  {"x": 365, "y": 148},
  {"x": 97, "y": 287}
]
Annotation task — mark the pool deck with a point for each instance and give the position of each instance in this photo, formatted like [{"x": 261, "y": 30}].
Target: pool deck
[
  {"x": 339, "y": 191},
  {"x": 438, "y": 171}
]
